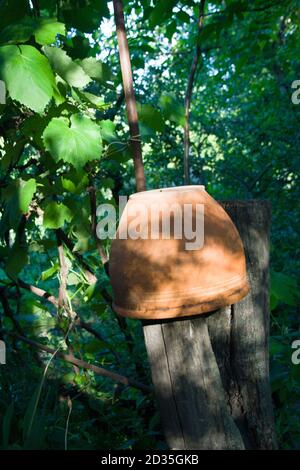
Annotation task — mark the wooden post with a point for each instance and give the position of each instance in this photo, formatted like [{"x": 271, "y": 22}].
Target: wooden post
[{"x": 211, "y": 372}]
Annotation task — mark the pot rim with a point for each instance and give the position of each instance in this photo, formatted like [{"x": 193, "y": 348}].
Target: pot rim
[{"x": 167, "y": 190}]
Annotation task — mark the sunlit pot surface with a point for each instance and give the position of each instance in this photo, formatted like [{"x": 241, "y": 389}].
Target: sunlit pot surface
[{"x": 176, "y": 253}]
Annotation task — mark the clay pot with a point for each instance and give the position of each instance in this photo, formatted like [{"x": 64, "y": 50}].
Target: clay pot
[{"x": 165, "y": 278}]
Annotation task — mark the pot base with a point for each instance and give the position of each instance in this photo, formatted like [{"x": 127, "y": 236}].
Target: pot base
[{"x": 227, "y": 297}]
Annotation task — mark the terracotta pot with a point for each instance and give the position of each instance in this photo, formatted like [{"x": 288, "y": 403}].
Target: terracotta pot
[{"x": 165, "y": 278}]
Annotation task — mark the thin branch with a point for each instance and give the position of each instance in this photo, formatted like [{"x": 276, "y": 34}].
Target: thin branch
[
  {"x": 39, "y": 292},
  {"x": 83, "y": 364},
  {"x": 188, "y": 96},
  {"x": 63, "y": 295}
]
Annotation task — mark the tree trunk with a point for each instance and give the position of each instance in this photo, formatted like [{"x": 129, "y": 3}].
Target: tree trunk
[{"x": 211, "y": 372}]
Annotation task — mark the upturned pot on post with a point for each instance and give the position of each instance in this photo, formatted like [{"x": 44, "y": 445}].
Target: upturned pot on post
[{"x": 176, "y": 253}]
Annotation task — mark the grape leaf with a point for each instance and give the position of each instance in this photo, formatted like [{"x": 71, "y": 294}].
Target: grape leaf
[
  {"x": 55, "y": 215},
  {"x": 27, "y": 75},
  {"x": 96, "y": 69},
  {"x": 151, "y": 117},
  {"x": 47, "y": 30},
  {"x": 26, "y": 192},
  {"x": 66, "y": 68},
  {"x": 75, "y": 142}
]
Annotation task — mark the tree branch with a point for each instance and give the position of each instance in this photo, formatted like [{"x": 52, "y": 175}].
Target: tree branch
[
  {"x": 78, "y": 322},
  {"x": 83, "y": 364}
]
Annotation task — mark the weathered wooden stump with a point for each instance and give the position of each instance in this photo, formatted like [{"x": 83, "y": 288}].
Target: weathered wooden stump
[{"x": 211, "y": 372}]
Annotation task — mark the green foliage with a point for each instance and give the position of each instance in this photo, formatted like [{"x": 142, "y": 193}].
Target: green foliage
[
  {"x": 283, "y": 289},
  {"x": 96, "y": 69},
  {"x": 27, "y": 75},
  {"x": 44, "y": 30},
  {"x": 151, "y": 117},
  {"x": 55, "y": 215},
  {"x": 63, "y": 65},
  {"x": 77, "y": 141},
  {"x": 26, "y": 192}
]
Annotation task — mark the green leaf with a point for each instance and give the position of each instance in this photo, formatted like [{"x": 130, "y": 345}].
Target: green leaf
[
  {"x": 75, "y": 181},
  {"x": 107, "y": 183},
  {"x": 170, "y": 29},
  {"x": 18, "y": 196},
  {"x": 151, "y": 117},
  {"x": 26, "y": 192},
  {"x": 33, "y": 127},
  {"x": 183, "y": 16},
  {"x": 44, "y": 30},
  {"x": 73, "y": 279},
  {"x": 96, "y": 69},
  {"x": 172, "y": 109},
  {"x": 27, "y": 75},
  {"x": 55, "y": 215},
  {"x": 119, "y": 152},
  {"x": 18, "y": 32},
  {"x": 47, "y": 30},
  {"x": 83, "y": 238},
  {"x": 50, "y": 272},
  {"x": 283, "y": 289},
  {"x": 92, "y": 100},
  {"x": 32, "y": 430},
  {"x": 12, "y": 153},
  {"x": 108, "y": 131},
  {"x": 66, "y": 68},
  {"x": 75, "y": 142},
  {"x": 68, "y": 185},
  {"x": 12, "y": 11},
  {"x": 68, "y": 378}
]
